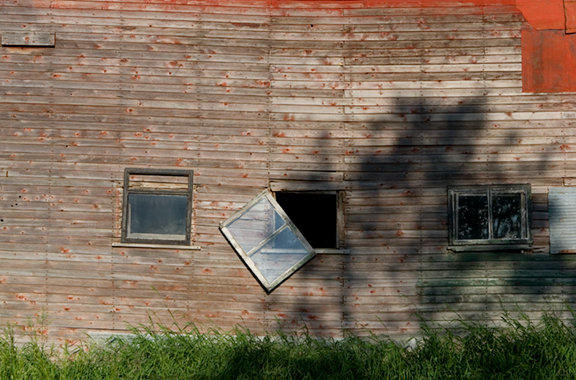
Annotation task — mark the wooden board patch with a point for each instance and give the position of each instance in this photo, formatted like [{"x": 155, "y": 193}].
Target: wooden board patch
[{"x": 28, "y": 39}]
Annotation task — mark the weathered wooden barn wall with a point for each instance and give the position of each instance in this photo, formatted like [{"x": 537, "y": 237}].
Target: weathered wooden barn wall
[{"x": 389, "y": 104}]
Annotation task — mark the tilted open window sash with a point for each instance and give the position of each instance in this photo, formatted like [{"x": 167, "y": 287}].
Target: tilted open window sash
[{"x": 267, "y": 241}]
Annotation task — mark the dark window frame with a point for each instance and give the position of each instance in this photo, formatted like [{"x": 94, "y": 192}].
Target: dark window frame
[
  {"x": 491, "y": 243},
  {"x": 159, "y": 172}
]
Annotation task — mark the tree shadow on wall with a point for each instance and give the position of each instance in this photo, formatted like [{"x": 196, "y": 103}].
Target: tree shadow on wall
[
  {"x": 310, "y": 301},
  {"x": 401, "y": 171}
]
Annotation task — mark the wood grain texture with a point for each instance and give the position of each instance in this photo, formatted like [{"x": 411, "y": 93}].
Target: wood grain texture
[{"x": 386, "y": 104}]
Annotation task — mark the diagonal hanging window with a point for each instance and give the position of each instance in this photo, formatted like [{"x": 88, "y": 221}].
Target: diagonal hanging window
[{"x": 267, "y": 241}]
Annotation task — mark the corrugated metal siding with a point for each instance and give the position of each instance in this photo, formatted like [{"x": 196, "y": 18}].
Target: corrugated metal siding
[
  {"x": 562, "y": 211},
  {"x": 389, "y": 105}
]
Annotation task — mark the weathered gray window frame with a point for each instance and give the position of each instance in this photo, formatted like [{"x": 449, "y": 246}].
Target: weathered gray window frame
[
  {"x": 490, "y": 244},
  {"x": 125, "y": 238},
  {"x": 245, "y": 256}
]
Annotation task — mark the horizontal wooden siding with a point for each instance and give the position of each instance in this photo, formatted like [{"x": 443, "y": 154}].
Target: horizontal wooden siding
[{"x": 388, "y": 105}]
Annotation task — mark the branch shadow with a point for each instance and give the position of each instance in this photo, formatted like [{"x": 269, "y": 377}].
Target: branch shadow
[{"x": 411, "y": 271}]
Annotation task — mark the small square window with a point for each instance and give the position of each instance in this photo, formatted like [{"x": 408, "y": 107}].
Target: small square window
[
  {"x": 316, "y": 214},
  {"x": 157, "y": 206},
  {"x": 492, "y": 217}
]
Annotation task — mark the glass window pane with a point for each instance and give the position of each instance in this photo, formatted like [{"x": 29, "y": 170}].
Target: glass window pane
[
  {"x": 279, "y": 255},
  {"x": 506, "y": 215},
  {"x": 271, "y": 248},
  {"x": 473, "y": 217},
  {"x": 154, "y": 216},
  {"x": 255, "y": 225}
]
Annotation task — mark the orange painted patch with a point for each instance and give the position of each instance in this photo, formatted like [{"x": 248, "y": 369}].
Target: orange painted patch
[
  {"x": 570, "y": 12},
  {"x": 548, "y": 61},
  {"x": 543, "y": 14}
]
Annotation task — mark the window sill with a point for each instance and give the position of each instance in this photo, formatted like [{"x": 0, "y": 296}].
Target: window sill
[
  {"x": 489, "y": 248},
  {"x": 157, "y": 246},
  {"x": 331, "y": 251}
]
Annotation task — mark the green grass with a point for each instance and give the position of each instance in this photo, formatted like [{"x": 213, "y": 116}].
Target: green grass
[{"x": 522, "y": 349}]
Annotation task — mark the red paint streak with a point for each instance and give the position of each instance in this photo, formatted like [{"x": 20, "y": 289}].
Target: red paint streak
[{"x": 286, "y": 5}]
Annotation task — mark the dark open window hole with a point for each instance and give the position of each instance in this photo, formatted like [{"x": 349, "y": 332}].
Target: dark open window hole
[{"x": 314, "y": 214}]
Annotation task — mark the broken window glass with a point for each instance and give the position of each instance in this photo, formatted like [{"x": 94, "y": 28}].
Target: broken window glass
[
  {"x": 473, "y": 217},
  {"x": 267, "y": 241},
  {"x": 506, "y": 215}
]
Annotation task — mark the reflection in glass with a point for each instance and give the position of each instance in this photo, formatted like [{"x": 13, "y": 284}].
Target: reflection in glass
[
  {"x": 154, "y": 216},
  {"x": 279, "y": 255},
  {"x": 255, "y": 225},
  {"x": 473, "y": 217},
  {"x": 267, "y": 241},
  {"x": 506, "y": 212}
]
